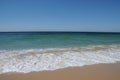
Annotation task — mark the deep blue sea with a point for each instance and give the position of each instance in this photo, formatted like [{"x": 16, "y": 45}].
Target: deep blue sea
[{"x": 38, "y": 51}]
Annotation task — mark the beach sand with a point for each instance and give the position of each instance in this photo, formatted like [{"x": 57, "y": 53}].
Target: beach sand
[{"x": 92, "y": 72}]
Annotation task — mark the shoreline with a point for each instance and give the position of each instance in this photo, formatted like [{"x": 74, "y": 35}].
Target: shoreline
[{"x": 90, "y": 72}]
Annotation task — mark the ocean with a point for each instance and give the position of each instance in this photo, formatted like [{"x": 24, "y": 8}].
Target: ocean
[{"x": 38, "y": 51}]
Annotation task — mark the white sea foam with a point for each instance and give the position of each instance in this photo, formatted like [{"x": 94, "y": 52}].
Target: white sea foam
[{"x": 56, "y": 58}]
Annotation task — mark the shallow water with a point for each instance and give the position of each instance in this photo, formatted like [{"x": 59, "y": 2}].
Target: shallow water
[{"x": 26, "y": 52}]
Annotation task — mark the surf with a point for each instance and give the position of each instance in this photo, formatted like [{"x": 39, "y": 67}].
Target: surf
[{"x": 29, "y": 60}]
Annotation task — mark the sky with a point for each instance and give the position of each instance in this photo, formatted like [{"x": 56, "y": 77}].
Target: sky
[{"x": 60, "y": 15}]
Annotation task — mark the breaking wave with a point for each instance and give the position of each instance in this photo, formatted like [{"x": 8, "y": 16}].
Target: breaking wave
[{"x": 55, "y": 58}]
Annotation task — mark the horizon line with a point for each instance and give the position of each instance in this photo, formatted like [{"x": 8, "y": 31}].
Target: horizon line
[{"x": 67, "y": 31}]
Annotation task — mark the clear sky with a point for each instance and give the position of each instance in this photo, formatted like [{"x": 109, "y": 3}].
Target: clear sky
[{"x": 60, "y": 15}]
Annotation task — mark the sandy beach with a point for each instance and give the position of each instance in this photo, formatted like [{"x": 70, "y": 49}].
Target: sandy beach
[
  {"x": 59, "y": 39},
  {"x": 92, "y": 72}
]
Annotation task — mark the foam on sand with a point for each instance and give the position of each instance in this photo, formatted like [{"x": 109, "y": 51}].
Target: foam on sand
[{"x": 55, "y": 58}]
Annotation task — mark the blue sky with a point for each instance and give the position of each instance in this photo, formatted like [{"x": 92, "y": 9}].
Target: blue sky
[{"x": 60, "y": 15}]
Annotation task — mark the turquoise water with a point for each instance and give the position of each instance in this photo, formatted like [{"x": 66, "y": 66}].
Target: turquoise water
[
  {"x": 28, "y": 40},
  {"x": 38, "y": 51}
]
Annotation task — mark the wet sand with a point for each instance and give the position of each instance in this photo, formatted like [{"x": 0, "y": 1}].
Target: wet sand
[{"x": 92, "y": 72}]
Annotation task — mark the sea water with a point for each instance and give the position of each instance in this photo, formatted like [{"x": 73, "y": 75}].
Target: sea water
[{"x": 38, "y": 51}]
